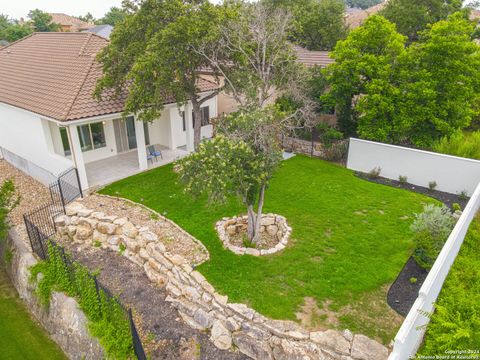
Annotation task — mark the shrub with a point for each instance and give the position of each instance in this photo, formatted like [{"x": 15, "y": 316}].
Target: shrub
[
  {"x": 431, "y": 229},
  {"x": 432, "y": 185},
  {"x": 375, "y": 172},
  {"x": 463, "y": 144},
  {"x": 456, "y": 207},
  {"x": 402, "y": 179},
  {"x": 463, "y": 195},
  {"x": 107, "y": 319},
  {"x": 8, "y": 201},
  {"x": 413, "y": 280}
]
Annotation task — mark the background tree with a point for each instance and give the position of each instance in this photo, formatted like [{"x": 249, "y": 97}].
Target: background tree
[
  {"x": 412, "y": 16},
  {"x": 362, "y": 4},
  {"x": 367, "y": 55},
  {"x": 433, "y": 92},
  {"x": 42, "y": 21},
  {"x": 152, "y": 53},
  {"x": 316, "y": 24},
  {"x": 113, "y": 17},
  {"x": 253, "y": 55},
  {"x": 240, "y": 160},
  {"x": 11, "y": 30},
  {"x": 88, "y": 18}
]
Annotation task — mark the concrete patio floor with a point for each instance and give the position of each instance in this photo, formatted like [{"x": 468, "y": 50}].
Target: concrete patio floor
[{"x": 103, "y": 172}]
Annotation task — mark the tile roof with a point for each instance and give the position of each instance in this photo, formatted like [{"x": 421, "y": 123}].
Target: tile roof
[
  {"x": 54, "y": 75},
  {"x": 312, "y": 58},
  {"x": 356, "y": 17},
  {"x": 73, "y": 22}
]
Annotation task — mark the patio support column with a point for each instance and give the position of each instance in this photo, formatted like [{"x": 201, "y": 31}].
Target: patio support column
[
  {"x": 77, "y": 155},
  {"x": 141, "y": 146},
  {"x": 189, "y": 126}
]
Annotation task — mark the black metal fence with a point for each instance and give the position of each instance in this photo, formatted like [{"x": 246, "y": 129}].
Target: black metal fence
[{"x": 40, "y": 225}]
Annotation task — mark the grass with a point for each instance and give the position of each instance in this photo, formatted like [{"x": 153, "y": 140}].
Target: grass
[
  {"x": 462, "y": 143},
  {"x": 455, "y": 325},
  {"x": 350, "y": 239},
  {"x": 20, "y": 336}
]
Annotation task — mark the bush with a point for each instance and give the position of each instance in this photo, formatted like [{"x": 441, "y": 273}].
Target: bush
[
  {"x": 402, "y": 179},
  {"x": 456, "y": 207},
  {"x": 463, "y": 144},
  {"x": 432, "y": 185},
  {"x": 8, "y": 201},
  {"x": 431, "y": 229},
  {"x": 107, "y": 319},
  {"x": 375, "y": 172},
  {"x": 456, "y": 322}
]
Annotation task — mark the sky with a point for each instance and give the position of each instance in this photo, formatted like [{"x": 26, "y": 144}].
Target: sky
[{"x": 20, "y": 8}]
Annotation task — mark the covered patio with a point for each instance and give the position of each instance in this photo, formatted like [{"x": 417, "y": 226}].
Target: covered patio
[{"x": 103, "y": 172}]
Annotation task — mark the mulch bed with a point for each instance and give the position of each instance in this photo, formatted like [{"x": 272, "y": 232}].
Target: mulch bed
[
  {"x": 403, "y": 293},
  {"x": 446, "y": 198},
  {"x": 164, "y": 334}
]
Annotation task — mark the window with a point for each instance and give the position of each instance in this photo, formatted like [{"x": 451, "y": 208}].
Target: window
[
  {"x": 92, "y": 136},
  {"x": 65, "y": 142},
  {"x": 205, "y": 117}
]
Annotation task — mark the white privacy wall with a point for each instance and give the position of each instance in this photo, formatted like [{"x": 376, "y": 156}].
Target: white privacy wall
[
  {"x": 452, "y": 174},
  {"x": 27, "y": 142}
]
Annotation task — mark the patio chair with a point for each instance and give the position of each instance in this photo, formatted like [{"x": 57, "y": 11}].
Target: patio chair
[
  {"x": 151, "y": 157},
  {"x": 153, "y": 152}
]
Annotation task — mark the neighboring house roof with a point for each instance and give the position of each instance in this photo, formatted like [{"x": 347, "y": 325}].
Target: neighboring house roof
[
  {"x": 71, "y": 22},
  {"x": 54, "y": 75},
  {"x": 102, "y": 30},
  {"x": 312, "y": 58},
  {"x": 356, "y": 17}
]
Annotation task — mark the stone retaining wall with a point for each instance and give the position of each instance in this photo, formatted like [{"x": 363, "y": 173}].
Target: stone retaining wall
[
  {"x": 63, "y": 320},
  {"x": 301, "y": 146},
  {"x": 275, "y": 225},
  {"x": 229, "y": 324}
]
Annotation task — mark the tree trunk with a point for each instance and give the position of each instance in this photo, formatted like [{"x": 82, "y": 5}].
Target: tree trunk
[
  {"x": 197, "y": 128},
  {"x": 255, "y": 219}
]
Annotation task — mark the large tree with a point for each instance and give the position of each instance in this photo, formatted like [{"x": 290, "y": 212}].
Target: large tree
[
  {"x": 42, "y": 21},
  {"x": 11, "y": 30},
  {"x": 240, "y": 160},
  {"x": 412, "y": 16},
  {"x": 432, "y": 92},
  {"x": 316, "y": 24},
  {"x": 153, "y": 54},
  {"x": 362, "y": 4},
  {"x": 114, "y": 16},
  {"x": 367, "y": 55}
]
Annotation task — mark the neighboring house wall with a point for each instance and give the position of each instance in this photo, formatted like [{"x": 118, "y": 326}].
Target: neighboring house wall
[
  {"x": 27, "y": 136},
  {"x": 452, "y": 174}
]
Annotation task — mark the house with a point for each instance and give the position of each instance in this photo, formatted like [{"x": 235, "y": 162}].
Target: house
[
  {"x": 356, "y": 17},
  {"x": 310, "y": 58},
  {"x": 49, "y": 121},
  {"x": 69, "y": 23}
]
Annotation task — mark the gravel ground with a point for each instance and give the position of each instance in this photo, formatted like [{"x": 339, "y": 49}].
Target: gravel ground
[
  {"x": 164, "y": 335},
  {"x": 175, "y": 240}
]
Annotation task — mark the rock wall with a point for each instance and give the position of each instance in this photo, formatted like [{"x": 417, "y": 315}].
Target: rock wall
[
  {"x": 301, "y": 146},
  {"x": 63, "y": 320},
  {"x": 229, "y": 324}
]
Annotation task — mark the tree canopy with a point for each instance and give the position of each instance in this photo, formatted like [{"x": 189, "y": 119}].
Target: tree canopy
[
  {"x": 11, "y": 30},
  {"x": 42, "y": 21},
  {"x": 411, "y": 95},
  {"x": 153, "y": 54},
  {"x": 316, "y": 24},
  {"x": 113, "y": 17},
  {"x": 412, "y": 16},
  {"x": 362, "y": 4}
]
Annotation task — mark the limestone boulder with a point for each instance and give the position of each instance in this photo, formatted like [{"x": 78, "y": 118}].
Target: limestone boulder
[
  {"x": 252, "y": 347},
  {"x": 220, "y": 336},
  {"x": 364, "y": 348},
  {"x": 129, "y": 230},
  {"x": 106, "y": 228},
  {"x": 331, "y": 339}
]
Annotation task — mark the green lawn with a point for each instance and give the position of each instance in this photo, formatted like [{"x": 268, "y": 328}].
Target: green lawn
[
  {"x": 351, "y": 238},
  {"x": 20, "y": 336}
]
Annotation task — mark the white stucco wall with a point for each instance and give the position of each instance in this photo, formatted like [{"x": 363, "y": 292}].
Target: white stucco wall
[
  {"x": 28, "y": 136},
  {"x": 159, "y": 130},
  {"x": 452, "y": 174},
  {"x": 104, "y": 152}
]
